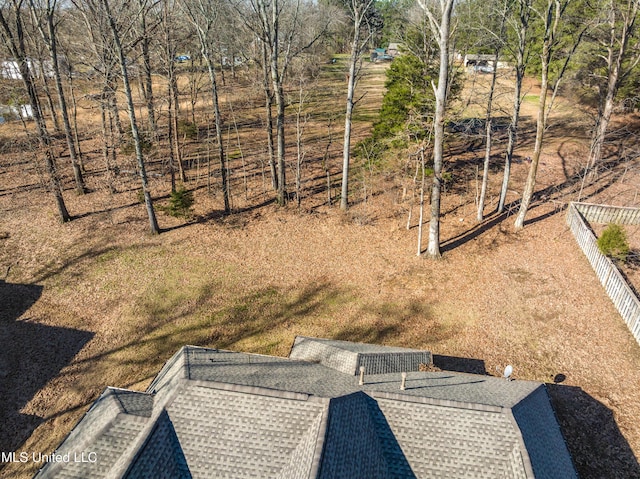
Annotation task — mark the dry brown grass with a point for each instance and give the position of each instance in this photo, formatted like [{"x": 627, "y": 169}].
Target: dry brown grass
[{"x": 97, "y": 302}]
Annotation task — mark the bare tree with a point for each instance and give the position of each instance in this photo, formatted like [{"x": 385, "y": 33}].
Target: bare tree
[
  {"x": 520, "y": 51},
  {"x": 498, "y": 41},
  {"x": 439, "y": 15},
  {"x": 620, "y": 61},
  {"x": 147, "y": 79},
  {"x": 45, "y": 19},
  {"x": 285, "y": 30},
  {"x": 553, "y": 22},
  {"x": 119, "y": 50},
  {"x": 359, "y": 10},
  {"x": 14, "y": 39},
  {"x": 204, "y": 17}
]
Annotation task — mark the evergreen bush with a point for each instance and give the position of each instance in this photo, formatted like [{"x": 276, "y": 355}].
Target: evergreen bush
[
  {"x": 188, "y": 129},
  {"x": 180, "y": 202},
  {"x": 613, "y": 242}
]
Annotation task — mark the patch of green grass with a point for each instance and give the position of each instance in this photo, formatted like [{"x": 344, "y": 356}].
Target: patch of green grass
[{"x": 364, "y": 116}]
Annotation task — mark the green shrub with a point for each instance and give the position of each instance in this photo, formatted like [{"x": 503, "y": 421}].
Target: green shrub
[
  {"x": 188, "y": 129},
  {"x": 613, "y": 242},
  {"x": 180, "y": 202},
  {"x": 128, "y": 146}
]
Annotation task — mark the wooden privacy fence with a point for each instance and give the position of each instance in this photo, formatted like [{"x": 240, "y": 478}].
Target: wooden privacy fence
[{"x": 616, "y": 286}]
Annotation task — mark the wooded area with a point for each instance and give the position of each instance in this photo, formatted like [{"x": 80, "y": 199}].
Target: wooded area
[{"x": 102, "y": 51}]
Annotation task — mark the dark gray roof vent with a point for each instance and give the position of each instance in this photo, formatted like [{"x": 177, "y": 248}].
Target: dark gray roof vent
[{"x": 349, "y": 357}]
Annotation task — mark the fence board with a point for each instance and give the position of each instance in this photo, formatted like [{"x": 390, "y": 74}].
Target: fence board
[{"x": 615, "y": 285}]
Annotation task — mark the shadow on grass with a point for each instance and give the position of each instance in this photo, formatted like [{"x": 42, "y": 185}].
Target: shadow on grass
[
  {"x": 262, "y": 321},
  {"x": 598, "y": 448},
  {"x": 31, "y": 355}
]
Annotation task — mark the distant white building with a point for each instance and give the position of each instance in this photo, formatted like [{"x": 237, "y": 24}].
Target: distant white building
[
  {"x": 394, "y": 49},
  {"x": 10, "y": 69},
  {"x": 473, "y": 60},
  {"x": 10, "y": 112}
]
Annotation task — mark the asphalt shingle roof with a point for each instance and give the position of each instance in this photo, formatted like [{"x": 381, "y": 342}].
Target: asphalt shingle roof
[{"x": 213, "y": 413}]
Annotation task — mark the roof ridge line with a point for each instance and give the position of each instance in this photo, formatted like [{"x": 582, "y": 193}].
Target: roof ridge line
[
  {"x": 255, "y": 390},
  {"x": 436, "y": 401}
]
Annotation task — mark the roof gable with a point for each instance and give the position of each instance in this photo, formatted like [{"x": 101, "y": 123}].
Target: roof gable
[{"x": 225, "y": 414}]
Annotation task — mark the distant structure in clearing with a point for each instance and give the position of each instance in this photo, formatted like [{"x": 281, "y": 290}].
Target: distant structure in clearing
[
  {"x": 483, "y": 60},
  {"x": 333, "y": 409},
  {"x": 394, "y": 49}
]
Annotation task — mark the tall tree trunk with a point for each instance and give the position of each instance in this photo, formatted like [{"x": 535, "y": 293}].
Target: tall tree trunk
[
  {"x": 524, "y": 12},
  {"x": 74, "y": 115},
  {"x": 529, "y": 186},
  {"x": 153, "y": 222},
  {"x": 147, "y": 87},
  {"x": 53, "y": 50},
  {"x": 115, "y": 113},
  {"x": 442, "y": 29},
  {"x": 488, "y": 137},
  {"x": 50, "y": 103},
  {"x": 218, "y": 126},
  {"x": 106, "y": 155},
  {"x": 511, "y": 142},
  {"x": 173, "y": 147},
  {"x": 351, "y": 84},
  {"x": 421, "y": 215},
  {"x": 552, "y": 20},
  {"x": 616, "y": 53},
  {"x": 278, "y": 91},
  {"x": 173, "y": 117},
  {"x": 269, "y": 116}
]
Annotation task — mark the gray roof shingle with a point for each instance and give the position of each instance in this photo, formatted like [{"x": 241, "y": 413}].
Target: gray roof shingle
[{"x": 214, "y": 413}]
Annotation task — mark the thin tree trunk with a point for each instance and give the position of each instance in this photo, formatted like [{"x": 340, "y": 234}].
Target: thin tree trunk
[
  {"x": 105, "y": 149},
  {"x": 433, "y": 247},
  {"x": 173, "y": 117},
  {"x": 421, "y": 218},
  {"x": 269, "y": 116},
  {"x": 299, "y": 148},
  {"x": 147, "y": 86},
  {"x": 50, "y": 102},
  {"x": 524, "y": 12},
  {"x": 552, "y": 20},
  {"x": 488, "y": 137},
  {"x": 76, "y": 133},
  {"x": 153, "y": 222},
  {"x": 278, "y": 91},
  {"x": 511, "y": 143},
  {"x": 351, "y": 84},
  {"x": 615, "y": 58},
  {"x": 115, "y": 113},
  {"x": 529, "y": 186},
  {"x": 218, "y": 126},
  {"x": 53, "y": 50},
  {"x": 171, "y": 138}
]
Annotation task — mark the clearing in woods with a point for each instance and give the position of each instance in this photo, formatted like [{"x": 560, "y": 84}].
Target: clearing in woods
[{"x": 98, "y": 302}]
